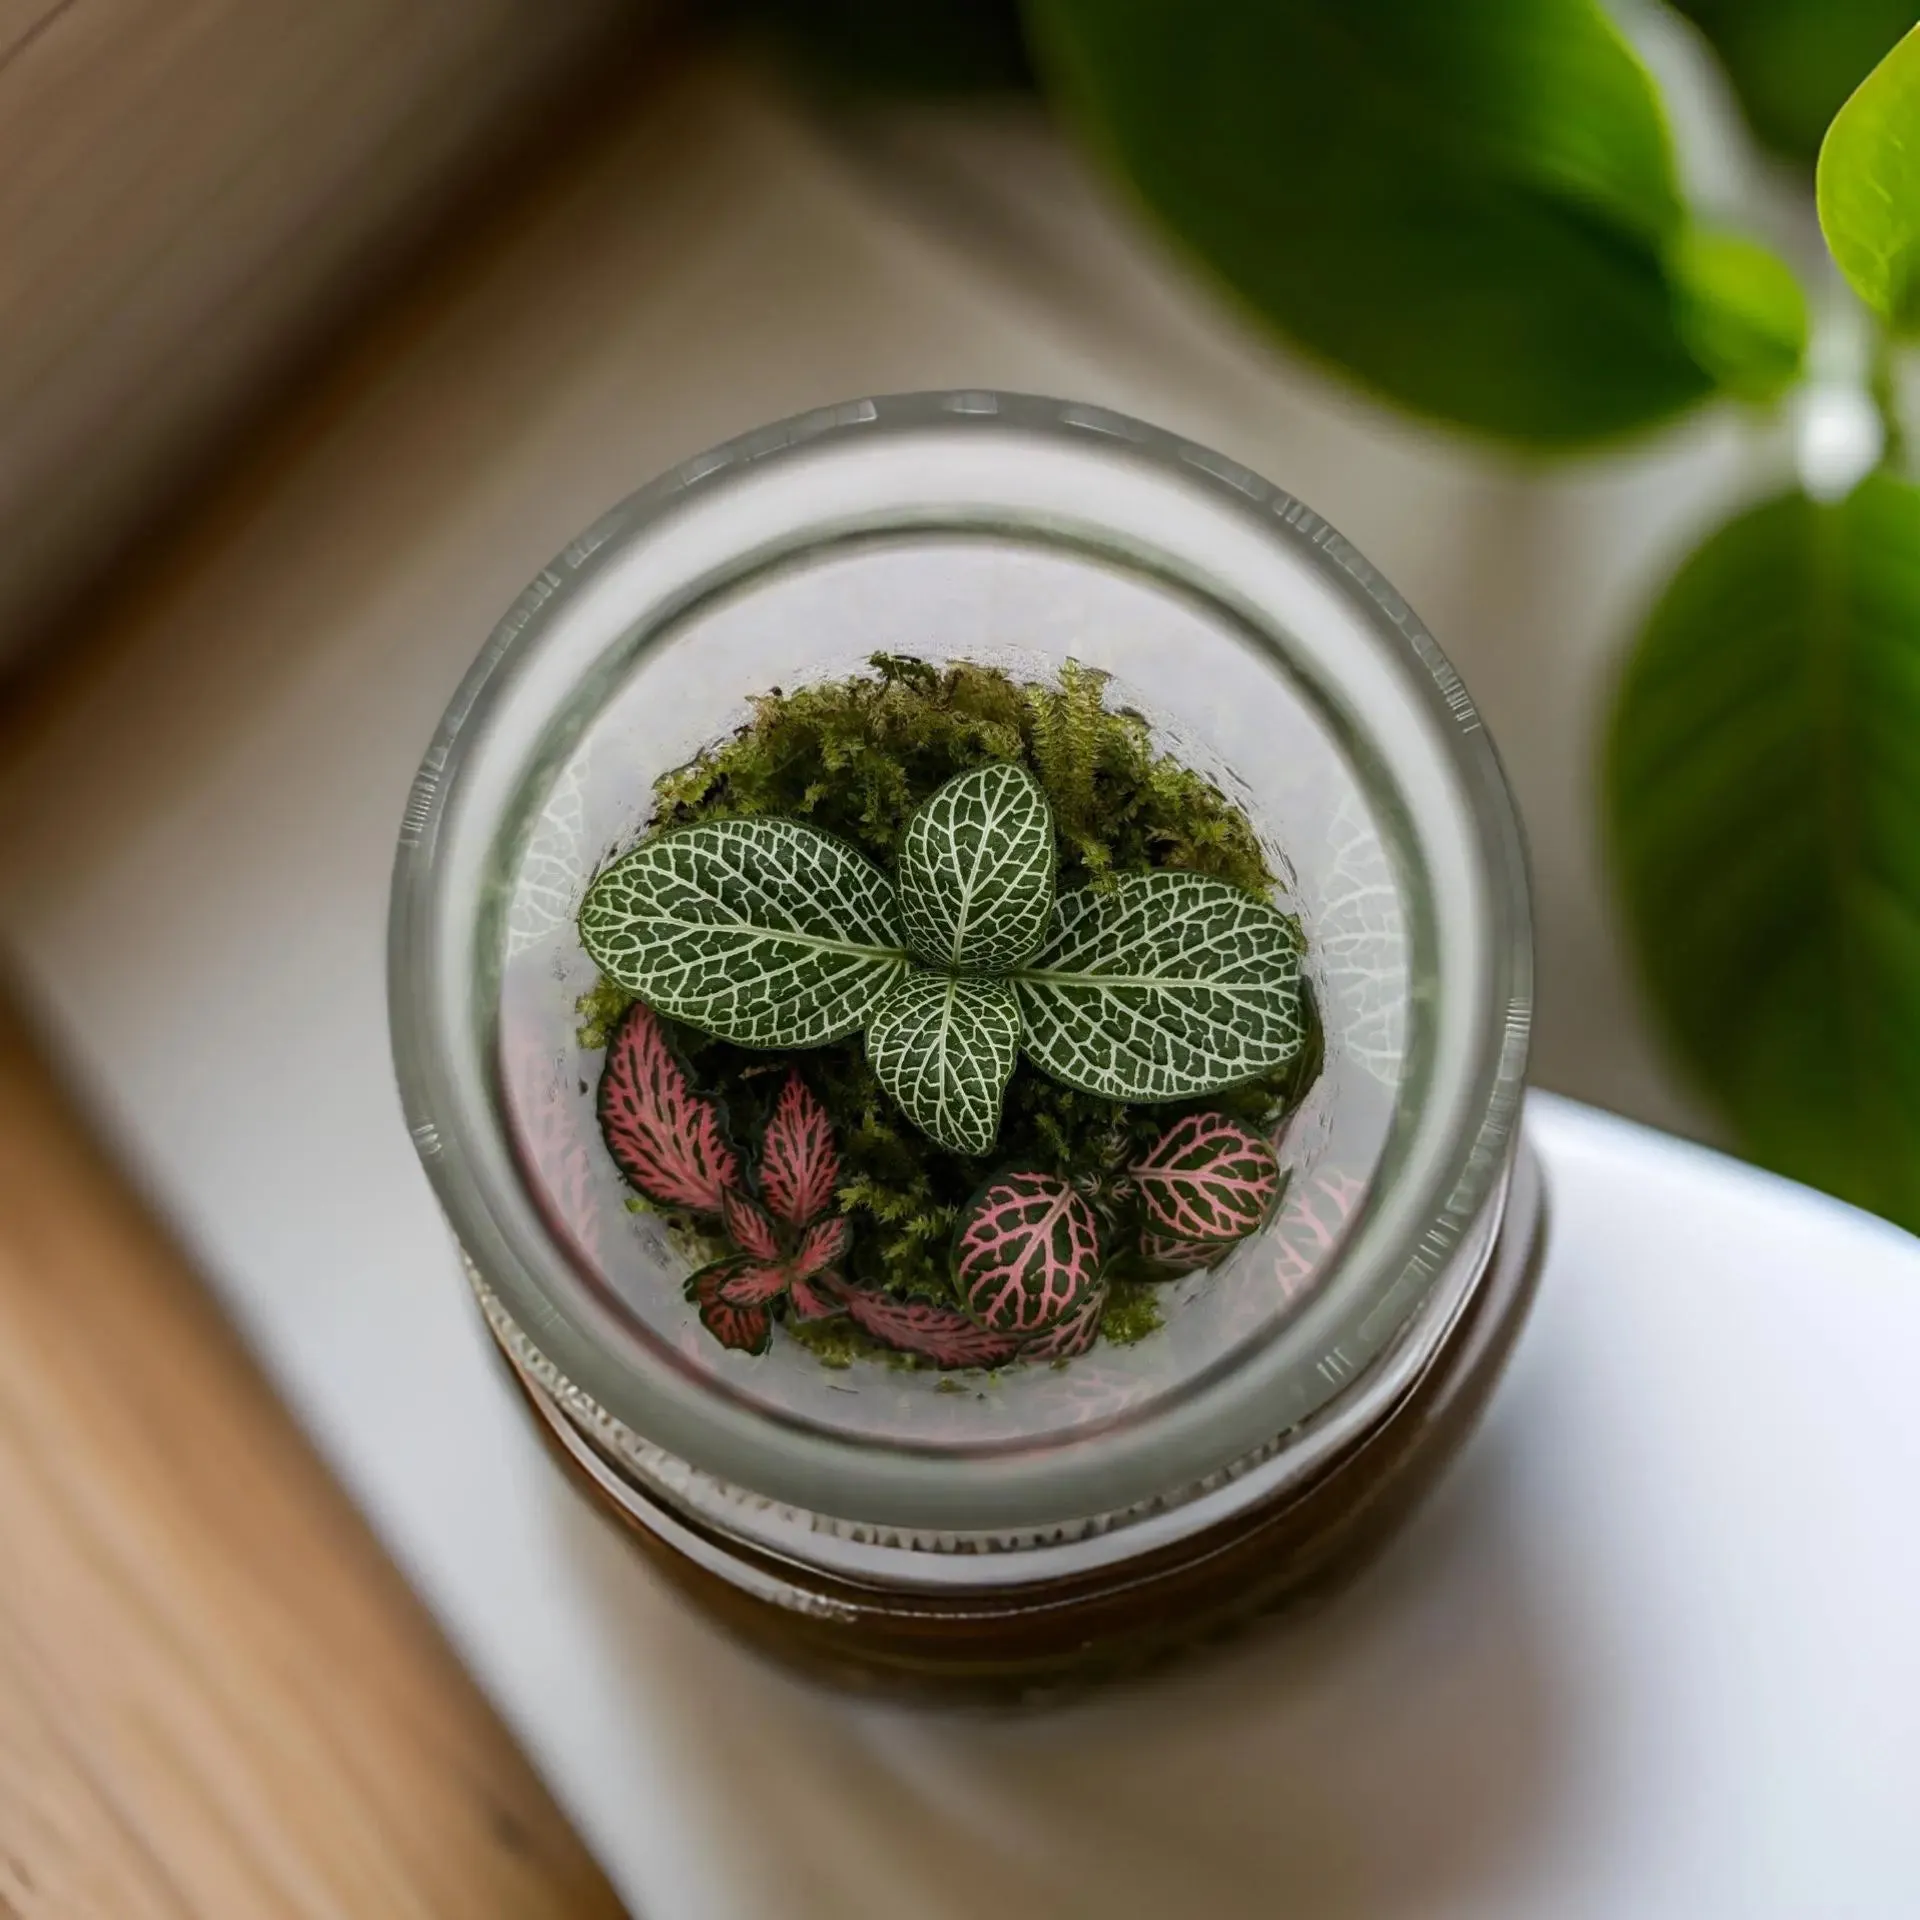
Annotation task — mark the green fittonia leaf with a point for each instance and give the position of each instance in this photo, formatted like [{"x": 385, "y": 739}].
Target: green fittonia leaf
[
  {"x": 1763, "y": 801},
  {"x": 771, "y": 933},
  {"x": 764, "y": 932},
  {"x": 944, "y": 1047},
  {"x": 976, "y": 871},
  {"x": 1868, "y": 184},
  {"x": 1171, "y": 985}
]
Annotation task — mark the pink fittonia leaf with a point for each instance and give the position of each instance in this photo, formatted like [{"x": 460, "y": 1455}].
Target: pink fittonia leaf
[
  {"x": 749, "y": 1226},
  {"x": 1188, "y": 1256},
  {"x": 816, "y": 1299},
  {"x": 1312, "y": 1224},
  {"x": 1206, "y": 1178},
  {"x": 798, "y": 1165},
  {"x": 555, "y": 1142},
  {"x": 821, "y": 1245},
  {"x": 747, "y": 1329},
  {"x": 939, "y": 1334},
  {"x": 663, "y": 1136},
  {"x": 755, "y": 1283},
  {"x": 1026, "y": 1254},
  {"x": 1074, "y": 1335}
]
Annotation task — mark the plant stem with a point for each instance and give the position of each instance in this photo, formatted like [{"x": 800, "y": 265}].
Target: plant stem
[{"x": 1883, "y": 388}]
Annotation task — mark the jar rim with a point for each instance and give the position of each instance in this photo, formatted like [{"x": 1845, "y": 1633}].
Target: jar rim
[{"x": 439, "y": 1047}]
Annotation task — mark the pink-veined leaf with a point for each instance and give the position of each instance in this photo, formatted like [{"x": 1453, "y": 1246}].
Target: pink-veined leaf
[
  {"x": 1074, "y": 1335},
  {"x": 816, "y": 1299},
  {"x": 749, "y": 1226},
  {"x": 747, "y": 1329},
  {"x": 756, "y": 1283},
  {"x": 822, "y": 1244},
  {"x": 1184, "y": 1256},
  {"x": 939, "y": 1334},
  {"x": 664, "y": 1137},
  {"x": 555, "y": 1143},
  {"x": 1026, "y": 1254},
  {"x": 1312, "y": 1224},
  {"x": 799, "y": 1166},
  {"x": 1207, "y": 1178}
]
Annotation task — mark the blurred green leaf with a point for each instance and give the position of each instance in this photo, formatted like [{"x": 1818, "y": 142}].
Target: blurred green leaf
[
  {"x": 906, "y": 46},
  {"x": 1792, "y": 62},
  {"x": 1470, "y": 209},
  {"x": 1763, "y": 805},
  {"x": 1869, "y": 187},
  {"x": 1740, "y": 309}
]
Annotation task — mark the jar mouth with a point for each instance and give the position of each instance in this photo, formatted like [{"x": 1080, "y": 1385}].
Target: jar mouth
[{"x": 628, "y": 613}]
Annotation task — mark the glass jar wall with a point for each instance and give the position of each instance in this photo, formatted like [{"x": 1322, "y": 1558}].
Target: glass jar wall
[{"x": 884, "y": 1518}]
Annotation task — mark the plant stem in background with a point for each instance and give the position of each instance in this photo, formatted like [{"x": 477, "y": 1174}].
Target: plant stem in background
[{"x": 1884, "y": 389}]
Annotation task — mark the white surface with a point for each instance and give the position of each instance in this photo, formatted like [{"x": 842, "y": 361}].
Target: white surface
[{"x": 1650, "y": 1653}]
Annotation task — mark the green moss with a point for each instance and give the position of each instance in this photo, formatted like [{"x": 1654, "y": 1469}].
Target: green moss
[
  {"x": 834, "y": 1343},
  {"x": 599, "y": 1011},
  {"x": 855, "y": 757},
  {"x": 838, "y": 1343},
  {"x": 1131, "y": 1313}
]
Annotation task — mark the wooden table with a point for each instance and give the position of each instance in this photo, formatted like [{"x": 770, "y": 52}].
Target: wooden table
[{"x": 217, "y": 1697}]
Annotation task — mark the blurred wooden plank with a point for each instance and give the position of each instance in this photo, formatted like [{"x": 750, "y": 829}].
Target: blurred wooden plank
[
  {"x": 194, "y": 194},
  {"x": 216, "y": 1695}
]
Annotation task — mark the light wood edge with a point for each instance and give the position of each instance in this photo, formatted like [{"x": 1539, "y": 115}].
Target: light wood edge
[{"x": 217, "y": 1696}]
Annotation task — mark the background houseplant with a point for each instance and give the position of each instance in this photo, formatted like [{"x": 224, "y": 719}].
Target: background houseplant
[{"x": 1476, "y": 214}]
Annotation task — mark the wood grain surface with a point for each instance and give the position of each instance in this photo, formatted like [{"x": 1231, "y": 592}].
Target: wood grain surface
[
  {"x": 195, "y": 196},
  {"x": 217, "y": 1697}
]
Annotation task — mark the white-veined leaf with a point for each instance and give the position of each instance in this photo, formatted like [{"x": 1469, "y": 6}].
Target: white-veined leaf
[
  {"x": 554, "y": 867},
  {"x": 765, "y": 932},
  {"x": 944, "y": 1048},
  {"x": 976, "y": 871},
  {"x": 1171, "y": 985}
]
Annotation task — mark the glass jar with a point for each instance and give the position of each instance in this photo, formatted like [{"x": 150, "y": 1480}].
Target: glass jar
[{"x": 1034, "y": 1526}]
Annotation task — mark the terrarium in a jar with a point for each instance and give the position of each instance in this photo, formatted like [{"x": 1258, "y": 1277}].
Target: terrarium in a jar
[{"x": 960, "y": 968}]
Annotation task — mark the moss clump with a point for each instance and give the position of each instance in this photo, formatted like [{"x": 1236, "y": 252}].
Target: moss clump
[
  {"x": 838, "y": 1343},
  {"x": 834, "y": 1343},
  {"x": 854, "y": 757},
  {"x": 599, "y": 1012},
  {"x": 1131, "y": 1313}
]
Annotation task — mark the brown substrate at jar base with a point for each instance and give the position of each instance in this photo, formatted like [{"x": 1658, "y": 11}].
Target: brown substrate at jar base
[{"x": 1060, "y": 1635}]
